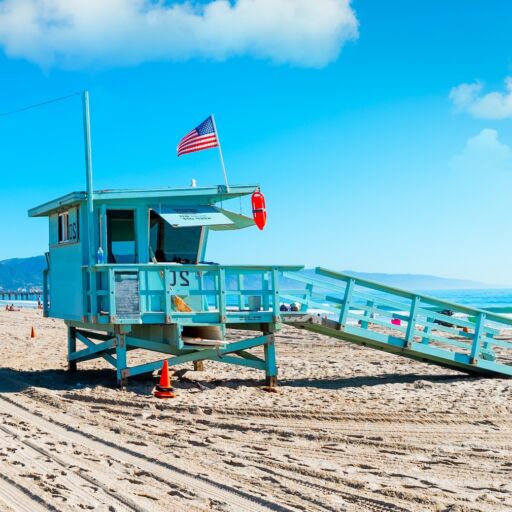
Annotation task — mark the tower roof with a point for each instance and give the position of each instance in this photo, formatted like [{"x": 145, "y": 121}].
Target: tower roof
[{"x": 199, "y": 195}]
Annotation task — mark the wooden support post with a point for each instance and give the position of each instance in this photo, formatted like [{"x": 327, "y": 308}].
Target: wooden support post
[
  {"x": 71, "y": 347},
  {"x": 270, "y": 361},
  {"x": 121, "y": 366}
]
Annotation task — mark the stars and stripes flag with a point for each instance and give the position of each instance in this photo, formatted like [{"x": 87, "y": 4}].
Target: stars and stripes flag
[{"x": 201, "y": 137}]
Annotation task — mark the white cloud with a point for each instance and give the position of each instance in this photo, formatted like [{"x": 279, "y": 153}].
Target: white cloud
[
  {"x": 493, "y": 105},
  {"x": 78, "y": 33},
  {"x": 483, "y": 154}
]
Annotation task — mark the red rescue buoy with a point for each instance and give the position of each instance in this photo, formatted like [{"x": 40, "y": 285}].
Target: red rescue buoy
[{"x": 259, "y": 210}]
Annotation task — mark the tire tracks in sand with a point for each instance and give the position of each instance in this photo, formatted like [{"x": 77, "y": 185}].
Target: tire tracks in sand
[
  {"x": 12, "y": 492},
  {"x": 238, "y": 500},
  {"x": 73, "y": 477},
  {"x": 366, "y": 467}
]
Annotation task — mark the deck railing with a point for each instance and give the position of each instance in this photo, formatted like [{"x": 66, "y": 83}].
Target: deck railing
[
  {"x": 165, "y": 293},
  {"x": 355, "y": 309}
]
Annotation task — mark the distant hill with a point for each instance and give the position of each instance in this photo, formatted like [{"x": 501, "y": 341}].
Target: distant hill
[
  {"x": 27, "y": 272},
  {"x": 417, "y": 282},
  {"x": 22, "y": 273},
  {"x": 420, "y": 281}
]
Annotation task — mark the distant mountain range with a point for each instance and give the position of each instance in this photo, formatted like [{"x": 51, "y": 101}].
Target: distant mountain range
[
  {"x": 22, "y": 273},
  {"x": 421, "y": 282},
  {"x": 27, "y": 273}
]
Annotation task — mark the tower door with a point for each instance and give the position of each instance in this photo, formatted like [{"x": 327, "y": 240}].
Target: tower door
[{"x": 122, "y": 246}]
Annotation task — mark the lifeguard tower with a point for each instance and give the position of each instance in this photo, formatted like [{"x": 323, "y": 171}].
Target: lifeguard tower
[
  {"x": 126, "y": 272},
  {"x": 149, "y": 287}
]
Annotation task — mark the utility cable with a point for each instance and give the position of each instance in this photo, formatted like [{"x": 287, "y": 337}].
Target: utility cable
[{"x": 36, "y": 105}]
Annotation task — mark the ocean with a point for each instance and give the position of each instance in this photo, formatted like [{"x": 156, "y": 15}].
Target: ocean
[{"x": 478, "y": 298}]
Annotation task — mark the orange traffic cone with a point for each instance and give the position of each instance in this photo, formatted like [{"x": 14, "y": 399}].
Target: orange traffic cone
[
  {"x": 32, "y": 332},
  {"x": 164, "y": 389}
]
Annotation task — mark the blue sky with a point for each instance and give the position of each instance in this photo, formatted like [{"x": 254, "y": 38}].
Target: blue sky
[{"x": 380, "y": 132}]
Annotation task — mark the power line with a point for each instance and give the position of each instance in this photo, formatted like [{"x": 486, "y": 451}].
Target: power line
[{"x": 36, "y": 105}]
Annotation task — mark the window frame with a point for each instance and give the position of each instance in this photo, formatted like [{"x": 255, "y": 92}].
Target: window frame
[
  {"x": 63, "y": 227},
  {"x": 202, "y": 237}
]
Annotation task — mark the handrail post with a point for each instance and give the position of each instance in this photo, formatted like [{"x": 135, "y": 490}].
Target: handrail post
[
  {"x": 275, "y": 295},
  {"x": 167, "y": 295},
  {"x": 367, "y": 314},
  {"x": 346, "y": 302},
  {"x": 222, "y": 295},
  {"x": 475, "y": 346},
  {"x": 308, "y": 294},
  {"x": 411, "y": 324},
  {"x": 240, "y": 284},
  {"x": 112, "y": 294},
  {"x": 94, "y": 295},
  {"x": 264, "y": 284},
  {"x": 427, "y": 329}
]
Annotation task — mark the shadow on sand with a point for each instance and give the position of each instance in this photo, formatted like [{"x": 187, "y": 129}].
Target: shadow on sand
[
  {"x": 12, "y": 381},
  {"x": 57, "y": 380},
  {"x": 372, "y": 380}
]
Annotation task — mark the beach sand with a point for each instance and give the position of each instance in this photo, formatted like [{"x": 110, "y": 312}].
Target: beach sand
[{"x": 350, "y": 428}]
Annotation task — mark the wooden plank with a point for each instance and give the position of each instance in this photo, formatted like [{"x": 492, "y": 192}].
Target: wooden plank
[{"x": 127, "y": 295}]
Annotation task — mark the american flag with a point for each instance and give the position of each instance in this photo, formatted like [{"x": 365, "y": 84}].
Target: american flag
[{"x": 201, "y": 137}]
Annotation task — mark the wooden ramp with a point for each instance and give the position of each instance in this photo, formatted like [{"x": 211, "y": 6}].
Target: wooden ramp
[{"x": 407, "y": 324}]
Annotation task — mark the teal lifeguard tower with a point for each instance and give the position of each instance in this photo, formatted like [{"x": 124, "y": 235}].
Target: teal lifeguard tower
[
  {"x": 149, "y": 287},
  {"x": 126, "y": 272}
]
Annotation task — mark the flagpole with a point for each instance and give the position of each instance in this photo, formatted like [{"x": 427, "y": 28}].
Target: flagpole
[
  {"x": 88, "y": 176},
  {"x": 220, "y": 153}
]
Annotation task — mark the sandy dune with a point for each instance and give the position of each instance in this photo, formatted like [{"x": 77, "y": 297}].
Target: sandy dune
[{"x": 350, "y": 429}]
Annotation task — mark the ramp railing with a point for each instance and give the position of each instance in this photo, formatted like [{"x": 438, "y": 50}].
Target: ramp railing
[{"x": 399, "y": 321}]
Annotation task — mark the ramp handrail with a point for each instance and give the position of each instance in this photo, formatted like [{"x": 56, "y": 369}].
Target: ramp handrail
[
  {"x": 410, "y": 295},
  {"x": 419, "y": 325}
]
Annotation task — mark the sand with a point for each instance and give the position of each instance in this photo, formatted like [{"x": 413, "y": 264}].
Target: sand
[{"x": 350, "y": 429}]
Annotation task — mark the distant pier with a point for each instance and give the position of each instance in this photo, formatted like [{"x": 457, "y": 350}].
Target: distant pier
[{"x": 15, "y": 296}]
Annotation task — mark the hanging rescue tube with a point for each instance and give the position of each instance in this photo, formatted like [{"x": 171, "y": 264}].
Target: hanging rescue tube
[{"x": 259, "y": 210}]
